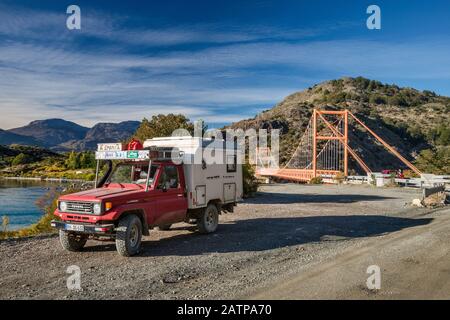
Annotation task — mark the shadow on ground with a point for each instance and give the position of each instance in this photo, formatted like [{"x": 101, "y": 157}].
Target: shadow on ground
[
  {"x": 283, "y": 198},
  {"x": 271, "y": 233}
]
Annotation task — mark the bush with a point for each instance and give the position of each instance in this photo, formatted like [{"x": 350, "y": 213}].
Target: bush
[
  {"x": 435, "y": 161},
  {"x": 398, "y": 100},
  {"x": 340, "y": 177},
  {"x": 250, "y": 183},
  {"x": 377, "y": 99},
  {"x": 316, "y": 180},
  {"x": 21, "y": 158},
  {"x": 5, "y": 223}
]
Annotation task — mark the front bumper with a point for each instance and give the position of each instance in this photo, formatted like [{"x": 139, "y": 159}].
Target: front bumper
[{"x": 101, "y": 229}]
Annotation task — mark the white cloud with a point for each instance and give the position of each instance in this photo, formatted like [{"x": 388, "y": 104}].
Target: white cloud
[{"x": 220, "y": 83}]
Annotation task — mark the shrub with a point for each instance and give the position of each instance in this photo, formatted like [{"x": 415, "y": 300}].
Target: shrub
[
  {"x": 5, "y": 223},
  {"x": 373, "y": 180},
  {"x": 377, "y": 99},
  {"x": 340, "y": 177},
  {"x": 435, "y": 161},
  {"x": 398, "y": 100},
  {"x": 316, "y": 180},
  {"x": 21, "y": 158},
  {"x": 250, "y": 183}
]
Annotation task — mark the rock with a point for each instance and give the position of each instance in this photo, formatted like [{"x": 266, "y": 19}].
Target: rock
[
  {"x": 417, "y": 203},
  {"x": 435, "y": 200}
]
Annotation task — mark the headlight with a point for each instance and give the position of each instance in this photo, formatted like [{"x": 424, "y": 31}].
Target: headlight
[
  {"x": 97, "y": 208},
  {"x": 63, "y": 206}
]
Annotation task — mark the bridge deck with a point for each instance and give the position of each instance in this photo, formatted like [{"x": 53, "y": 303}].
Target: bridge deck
[{"x": 301, "y": 175}]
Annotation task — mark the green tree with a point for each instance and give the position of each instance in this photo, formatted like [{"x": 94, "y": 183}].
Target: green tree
[
  {"x": 21, "y": 158},
  {"x": 163, "y": 126},
  {"x": 87, "y": 160},
  {"x": 73, "y": 162}
]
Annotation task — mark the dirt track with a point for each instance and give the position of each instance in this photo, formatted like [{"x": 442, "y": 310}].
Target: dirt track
[{"x": 291, "y": 241}]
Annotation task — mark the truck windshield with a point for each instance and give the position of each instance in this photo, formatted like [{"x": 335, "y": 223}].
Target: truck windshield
[{"x": 133, "y": 173}]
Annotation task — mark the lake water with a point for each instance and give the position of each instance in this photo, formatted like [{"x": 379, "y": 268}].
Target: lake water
[{"x": 18, "y": 201}]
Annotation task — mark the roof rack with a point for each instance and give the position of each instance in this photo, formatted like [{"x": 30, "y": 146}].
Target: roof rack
[{"x": 150, "y": 153}]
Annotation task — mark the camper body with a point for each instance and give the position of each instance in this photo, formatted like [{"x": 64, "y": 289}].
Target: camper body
[
  {"x": 210, "y": 169},
  {"x": 148, "y": 188}
]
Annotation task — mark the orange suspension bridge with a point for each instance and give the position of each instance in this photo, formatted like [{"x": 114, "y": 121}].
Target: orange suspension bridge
[{"x": 323, "y": 150}]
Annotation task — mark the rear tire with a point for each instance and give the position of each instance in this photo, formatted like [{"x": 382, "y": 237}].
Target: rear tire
[
  {"x": 209, "y": 219},
  {"x": 72, "y": 241},
  {"x": 129, "y": 236}
]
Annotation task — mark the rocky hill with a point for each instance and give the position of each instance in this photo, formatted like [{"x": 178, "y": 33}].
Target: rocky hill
[
  {"x": 52, "y": 132},
  {"x": 103, "y": 133},
  {"x": 409, "y": 119}
]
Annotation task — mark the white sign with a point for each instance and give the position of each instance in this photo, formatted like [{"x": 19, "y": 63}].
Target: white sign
[
  {"x": 109, "y": 147},
  {"x": 123, "y": 155}
]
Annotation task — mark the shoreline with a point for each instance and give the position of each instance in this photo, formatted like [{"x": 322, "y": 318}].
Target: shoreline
[{"x": 45, "y": 179}]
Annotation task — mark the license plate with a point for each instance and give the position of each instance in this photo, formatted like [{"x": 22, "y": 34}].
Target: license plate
[{"x": 74, "y": 227}]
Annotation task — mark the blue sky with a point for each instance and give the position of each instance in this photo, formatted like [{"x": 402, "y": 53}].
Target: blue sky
[{"x": 216, "y": 60}]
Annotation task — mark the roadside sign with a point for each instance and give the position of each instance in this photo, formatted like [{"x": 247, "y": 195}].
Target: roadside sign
[
  {"x": 133, "y": 154},
  {"x": 109, "y": 147},
  {"x": 123, "y": 155},
  {"x": 158, "y": 153}
]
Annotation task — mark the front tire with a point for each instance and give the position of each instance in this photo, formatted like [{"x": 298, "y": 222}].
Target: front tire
[
  {"x": 129, "y": 236},
  {"x": 71, "y": 241},
  {"x": 209, "y": 219}
]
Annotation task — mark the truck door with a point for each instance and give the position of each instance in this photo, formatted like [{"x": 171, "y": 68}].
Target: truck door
[{"x": 171, "y": 202}]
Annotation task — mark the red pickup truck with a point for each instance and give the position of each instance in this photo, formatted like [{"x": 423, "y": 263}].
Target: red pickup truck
[{"x": 139, "y": 193}]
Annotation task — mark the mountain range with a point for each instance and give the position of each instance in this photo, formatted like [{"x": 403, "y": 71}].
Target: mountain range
[{"x": 62, "y": 135}]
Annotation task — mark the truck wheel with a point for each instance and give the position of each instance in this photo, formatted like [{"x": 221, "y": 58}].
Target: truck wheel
[
  {"x": 165, "y": 227},
  {"x": 208, "y": 220},
  {"x": 129, "y": 235},
  {"x": 71, "y": 241}
]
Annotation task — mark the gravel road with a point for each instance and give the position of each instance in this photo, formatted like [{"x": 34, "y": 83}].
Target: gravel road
[{"x": 290, "y": 241}]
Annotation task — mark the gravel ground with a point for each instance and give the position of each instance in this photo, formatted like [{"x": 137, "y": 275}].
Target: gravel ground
[{"x": 271, "y": 246}]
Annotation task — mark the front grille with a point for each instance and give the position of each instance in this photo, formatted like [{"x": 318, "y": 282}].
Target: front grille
[{"x": 80, "y": 207}]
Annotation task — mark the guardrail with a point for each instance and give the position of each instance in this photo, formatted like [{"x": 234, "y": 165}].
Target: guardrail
[{"x": 426, "y": 181}]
